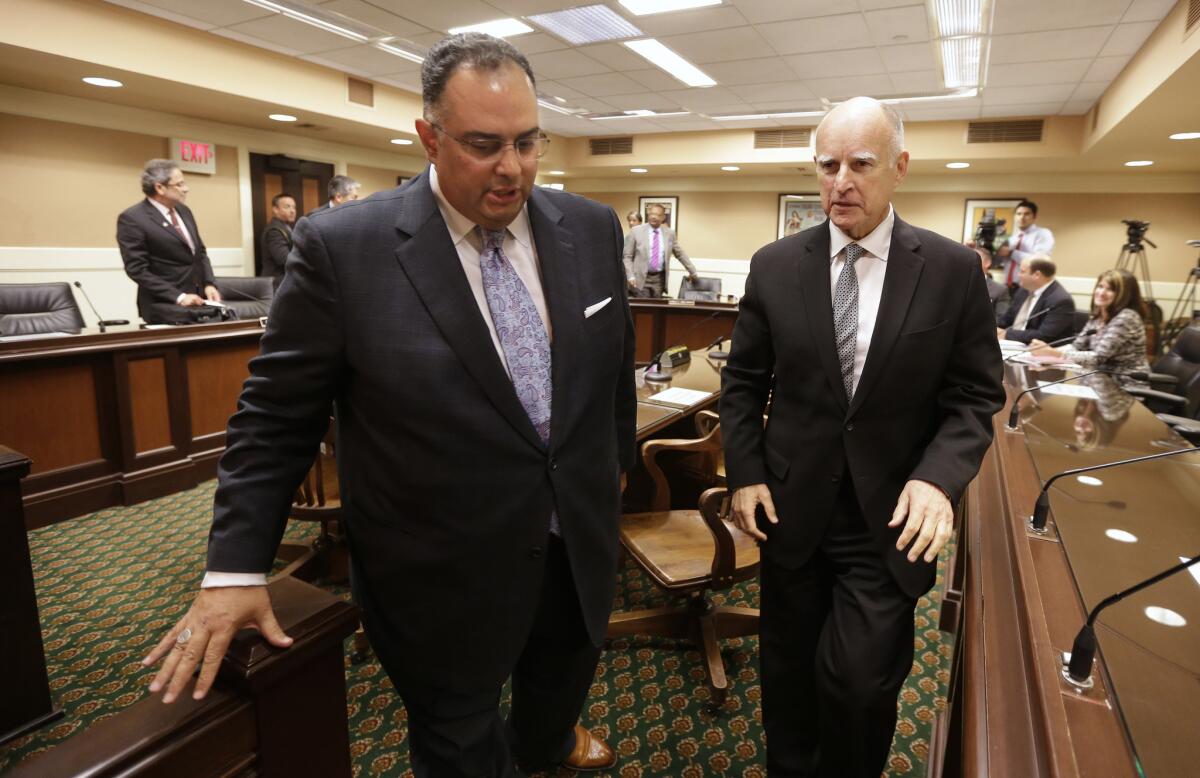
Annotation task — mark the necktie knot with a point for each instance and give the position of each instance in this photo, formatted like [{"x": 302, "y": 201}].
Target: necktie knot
[
  {"x": 853, "y": 252},
  {"x": 493, "y": 240}
]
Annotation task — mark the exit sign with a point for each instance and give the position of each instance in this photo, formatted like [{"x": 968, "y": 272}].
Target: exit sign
[{"x": 194, "y": 156}]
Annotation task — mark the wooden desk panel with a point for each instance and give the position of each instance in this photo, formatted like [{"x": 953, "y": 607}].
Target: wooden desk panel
[
  {"x": 149, "y": 404},
  {"x": 663, "y": 323},
  {"x": 49, "y": 412},
  {"x": 215, "y": 375}
]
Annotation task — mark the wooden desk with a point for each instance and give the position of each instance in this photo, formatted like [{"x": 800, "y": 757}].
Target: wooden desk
[
  {"x": 662, "y": 323},
  {"x": 121, "y": 417},
  {"x": 1025, "y": 596}
]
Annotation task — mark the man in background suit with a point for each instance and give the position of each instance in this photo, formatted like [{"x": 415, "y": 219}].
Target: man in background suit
[
  {"x": 342, "y": 189},
  {"x": 162, "y": 250},
  {"x": 648, "y": 250},
  {"x": 997, "y": 292},
  {"x": 873, "y": 341},
  {"x": 474, "y": 333},
  {"x": 277, "y": 237},
  {"x": 1041, "y": 309}
]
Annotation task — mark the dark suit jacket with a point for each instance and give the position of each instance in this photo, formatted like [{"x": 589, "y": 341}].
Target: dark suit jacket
[
  {"x": 1055, "y": 312},
  {"x": 446, "y": 488},
  {"x": 159, "y": 260},
  {"x": 923, "y": 407},
  {"x": 322, "y": 207},
  {"x": 998, "y": 293},
  {"x": 276, "y": 244}
]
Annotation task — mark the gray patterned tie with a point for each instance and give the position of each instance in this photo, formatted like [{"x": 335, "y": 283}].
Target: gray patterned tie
[{"x": 845, "y": 316}]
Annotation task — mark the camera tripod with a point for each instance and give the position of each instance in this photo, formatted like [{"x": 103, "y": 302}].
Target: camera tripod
[
  {"x": 1133, "y": 259},
  {"x": 1185, "y": 311}
]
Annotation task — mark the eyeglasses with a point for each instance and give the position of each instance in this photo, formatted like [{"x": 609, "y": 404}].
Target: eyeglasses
[
  {"x": 176, "y": 184},
  {"x": 528, "y": 148}
]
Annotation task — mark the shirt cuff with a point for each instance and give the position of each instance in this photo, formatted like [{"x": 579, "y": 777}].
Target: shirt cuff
[
  {"x": 213, "y": 580},
  {"x": 179, "y": 299}
]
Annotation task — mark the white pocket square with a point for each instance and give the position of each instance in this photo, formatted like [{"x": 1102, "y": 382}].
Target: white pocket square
[{"x": 591, "y": 309}]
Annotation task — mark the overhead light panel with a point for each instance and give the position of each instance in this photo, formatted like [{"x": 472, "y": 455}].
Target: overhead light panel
[
  {"x": 960, "y": 61},
  {"x": 549, "y": 106},
  {"x": 730, "y": 168},
  {"x": 961, "y": 94},
  {"x": 958, "y": 165},
  {"x": 558, "y": 172},
  {"x": 402, "y": 141},
  {"x": 645, "y": 7},
  {"x": 588, "y": 24},
  {"x": 107, "y": 83},
  {"x": 1173, "y": 136},
  {"x": 958, "y": 17},
  {"x": 498, "y": 28},
  {"x": 661, "y": 57},
  {"x": 308, "y": 18},
  {"x": 641, "y": 113},
  {"x": 638, "y": 170},
  {"x": 391, "y": 48},
  {"x": 1139, "y": 163}
]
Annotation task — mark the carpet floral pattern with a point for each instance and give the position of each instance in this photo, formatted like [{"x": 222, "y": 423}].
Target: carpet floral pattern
[{"x": 109, "y": 583}]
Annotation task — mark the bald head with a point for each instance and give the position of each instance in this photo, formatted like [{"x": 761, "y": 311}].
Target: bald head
[{"x": 867, "y": 109}]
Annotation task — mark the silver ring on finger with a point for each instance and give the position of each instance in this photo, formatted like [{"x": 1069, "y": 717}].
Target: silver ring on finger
[{"x": 184, "y": 637}]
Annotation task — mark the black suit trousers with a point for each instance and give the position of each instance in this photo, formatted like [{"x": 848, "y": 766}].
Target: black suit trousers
[
  {"x": 836, "y": 645},
  {"x": 455, "y": 734}
]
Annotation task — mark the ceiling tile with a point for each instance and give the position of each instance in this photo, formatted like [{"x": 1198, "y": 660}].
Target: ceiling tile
[
  {"x": 908, "y": 56},
  {"x": 564, "y": 64},
  {"x": 701, "y": 99},
  {"x": 1067, "y": 71},
  {"x": 1088, "y": 92},
  {"x": 941, "y": 113},
  {"x": 1105, "y": 68},
  {"x": 376, "y": 17},
  {"x": 627, "y": 127},
  {"x": 299, "y": 36},
  {"x": 368, "y": 60},
  {"x": 442, "y": 16},
  {"x": 698, "y": 20},
  {"x": 614, "y": 55},
  {"x": 718, "y": 45},
  {"x": 649, "y": 101},
  {"x": 593, "y": 104},
  {"x": 602, "y": 84},
  {"x": 410, "y": 81},
  {"x": 529, "y": 7},
  {"x": 827, "y": 33},
  {"x": 1037, "y": 15},
  {"x": 793, "y": 92},
  {"x": 909, "y": 24},
  {"x": 1016, "y": 95},
  {"x": 227, "y": 32},
  {"x": 1021, "y": 110},
  {"x": 852, "y": 86},
  {"x": 761, "y": 11},
  {"x": 749, "y": 124},
  {"x": 652, "y": 78},
  {"x": 750, "y": 71},
  {"x": 1127, "y": 39},
  {"x": 854, "y": 62},
  {"x": 916, "y": 82},
  {"x": 1148, "y": 10},
  {"x": 1054, "y": 45},
  {"x": 217, "y": 13},
  {"x": 1077, "y": 107},
  {"x": 536, "y": 43},
  {"x": 557, "y": 88},
  {"x": 689, "y": 124},
  {"x": 871, "y": 5}
]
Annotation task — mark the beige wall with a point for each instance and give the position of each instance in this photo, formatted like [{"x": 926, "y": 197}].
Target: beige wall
[
  {"x": 374, "y": 179},
  {"x": 68, "y": 183}
]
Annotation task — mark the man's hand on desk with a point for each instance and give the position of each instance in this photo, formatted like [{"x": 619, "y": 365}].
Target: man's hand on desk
[
  {"x": 927, "y": 515},
  {"x": 745, "y": 504},
  {"x": 211, "y": 294},
  {"x": 208, "y": 627},
  {"x": 1001, "y": 333},
  {"x": 191, "y": 300}
]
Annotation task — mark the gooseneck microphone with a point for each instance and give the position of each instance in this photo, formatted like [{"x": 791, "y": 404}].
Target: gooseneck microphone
[
  {"x": 1083, "y": 651},
  {"x": 1051, "y": 344},
  {"x": 718, "y": 354},
  {"x": 1013, "y": 412},
  {"x": 102, "y": 323},
  {"x": 1037, "y": 522}
]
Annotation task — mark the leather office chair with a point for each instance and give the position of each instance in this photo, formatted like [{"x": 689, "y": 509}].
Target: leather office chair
[
  {"x": 34, "y": 309},
  {"x": 704, "y": 289},
  {"x": 1176, "y": 380},
  {"x": 689, "y": 554},
  {"x": 1079, "y": 320},
  {"x": 249, "y": 296}
]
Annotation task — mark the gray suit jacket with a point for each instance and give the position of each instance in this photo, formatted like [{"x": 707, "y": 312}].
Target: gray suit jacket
[{"x": 637, "y": 253}]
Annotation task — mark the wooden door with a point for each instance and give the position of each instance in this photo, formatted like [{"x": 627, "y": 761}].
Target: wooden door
[{"x": 272, "y": 174}]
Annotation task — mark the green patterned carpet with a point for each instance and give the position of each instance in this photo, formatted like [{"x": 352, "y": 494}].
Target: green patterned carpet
[{"x": 108, "y": 584}]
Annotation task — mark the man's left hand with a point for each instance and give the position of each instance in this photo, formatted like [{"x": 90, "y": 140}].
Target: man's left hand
[
  {"x": 211, "y": 294},
  {"x": 927, "y": 516}
]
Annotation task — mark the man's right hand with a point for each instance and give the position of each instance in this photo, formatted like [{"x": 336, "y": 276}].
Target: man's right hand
[
  {"x": 191, "y": 300},
  {"x": 215, "y": 616},
  {"x": 745, "y": 503},
  {"x": 633, "y": 284}
]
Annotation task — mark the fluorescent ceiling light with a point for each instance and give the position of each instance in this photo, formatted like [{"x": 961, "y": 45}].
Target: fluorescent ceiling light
[
  {"x": 589, "y": 24},
  {"x": 661, "y": 57},
  {"x": 638, "y": 114},
  {"x": 282, "y": 117},
  {"x": 1139, "y": 163},
  {"x": 549, "y": 106},
  {"x": 110, "y": 83},
  {"x": 638, "y": 170},
  {"x": 958, "y": 165},
  {"x": 961, "y": 94},
  {"x": 757, "y": 116},
  {"x": 960, "y": 62},
  {"x": 1175, "y": 136},
  {"x": 958, "y": 17},
  {"x": 399, "y": 52},
  {"x": 558, "y": 172},
  {"x": 498, "y": 28},
  {"x": 300, "y": 16},
  {"x": 644, "y": 7},
  {"x": 402, "y": 141},
  {"x": 730, "y": 168},
  {"x": 552, "y": 186}
]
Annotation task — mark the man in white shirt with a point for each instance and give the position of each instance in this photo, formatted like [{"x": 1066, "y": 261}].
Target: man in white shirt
[{"x": 1027, "y": 241}]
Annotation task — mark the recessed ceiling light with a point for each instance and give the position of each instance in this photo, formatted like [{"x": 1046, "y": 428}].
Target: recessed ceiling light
[
  {"x": 589, "y": 24},
  {"x": 638, "y": 170},
  {"x": 1089, "y": 480},
  {"x": 663, "y": 58},
  {"x": 498, "y": 28},
  {"x": 960, "y": 62},
  {"x": 1121, "y": 535},
  {"x": 958, "y": 165},
  {"x": 644, "y": 7},
  {"x": 558, "y": 172},
  {"x": 1165, "y": 616},
  {"x": 1139, "y": 163},
  {"x": 1175, "y": 136},
  {"x": 110, "y": 83},
  {"x": 958, "y": 17},
  {"x": 731, "y": 168},
  {"x": 402, "y": 141},
  {"x": 282, "y": 117}
]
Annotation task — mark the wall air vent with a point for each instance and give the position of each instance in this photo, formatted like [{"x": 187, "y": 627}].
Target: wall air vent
[
  {"x": 1193, "y": 16},
  {"x": 793, "y": 138},
  {"x": 605, "y": 146},
  {"x": 1023, "y": 131},
  {"x": 360, "y": 92}
]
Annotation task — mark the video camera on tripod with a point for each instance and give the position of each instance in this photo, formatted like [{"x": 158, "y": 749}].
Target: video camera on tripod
[
  {"x": 1135, "y": 230},
  {"x": 985, "y": 231}
]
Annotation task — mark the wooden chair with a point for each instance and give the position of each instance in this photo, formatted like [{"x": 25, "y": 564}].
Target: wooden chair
[{"x": 690, "y": 553}]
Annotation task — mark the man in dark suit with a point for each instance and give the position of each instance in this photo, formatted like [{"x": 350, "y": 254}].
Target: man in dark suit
[
  {"x": 997, "y": 292},
  {"x": 342, "y": 189},
  {"x": 277, "y": 237},
  {"x": 474, "y": 333},
  {"x": 1041, "y": 309},
  {"x": 873, "y": 340},
  {"x": 162, "y": 250}
]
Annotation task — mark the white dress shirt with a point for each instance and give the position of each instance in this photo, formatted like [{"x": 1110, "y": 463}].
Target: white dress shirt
[
  {"x": 870, "y": 270},
  {"x": 1033, "y": 240},
  {"x": 521, "y": 252},
  {"x": 1027, "y": 307},
  {"x": 187, "y": 236}
]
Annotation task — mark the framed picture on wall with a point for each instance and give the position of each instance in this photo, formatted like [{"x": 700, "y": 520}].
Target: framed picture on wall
[
  {"x": 799, "y": 212},
  {"x": 998, "y": 211},
  {"x": 669, "y": 203}
]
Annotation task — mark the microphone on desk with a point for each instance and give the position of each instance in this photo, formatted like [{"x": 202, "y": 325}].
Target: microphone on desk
[
  {"x": 1015, "y": 410},
  {"x": 658, "y": 375},
  {"x": 1037, "y": 522},
  {"x": 1078, "y": 668},
  {"x": 721, "y": 354},
  {"x": 100, "y": 322}
]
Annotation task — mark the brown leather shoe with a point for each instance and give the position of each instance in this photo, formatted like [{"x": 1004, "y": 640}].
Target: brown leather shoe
[{"x": 591, "y": 753}]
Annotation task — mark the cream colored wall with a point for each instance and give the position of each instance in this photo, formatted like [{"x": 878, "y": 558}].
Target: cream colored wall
[{"x": 374, "y": 179}]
